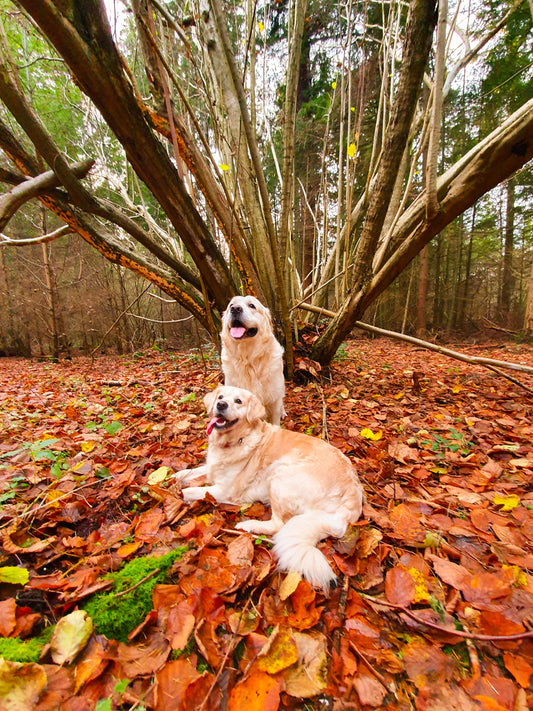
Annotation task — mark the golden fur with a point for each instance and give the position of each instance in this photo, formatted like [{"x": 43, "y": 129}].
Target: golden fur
[
  {"x": 311, "y": 486},
  {"x": 253, "y": 362}
]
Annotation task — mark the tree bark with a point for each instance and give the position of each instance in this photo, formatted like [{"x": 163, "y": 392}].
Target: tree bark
[
  {"x": 81, "y": 34},
  {"x": 422, "y": 293},
  {"x": 420, "y": 23},
  {"x": 508, "y": 251}
]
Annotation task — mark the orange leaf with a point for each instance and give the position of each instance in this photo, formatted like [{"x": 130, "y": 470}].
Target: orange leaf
[
  {"x": 258, "y": 692},
  {"x": 128, "y": 548},
  {"x": 519, "y": 667},
  {"x": 305, "y": 614}
]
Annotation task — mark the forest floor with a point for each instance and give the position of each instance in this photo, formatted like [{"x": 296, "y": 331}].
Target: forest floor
[{"x": 434, "y": 603}]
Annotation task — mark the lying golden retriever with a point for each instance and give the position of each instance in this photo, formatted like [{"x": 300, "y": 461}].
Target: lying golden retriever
[
  {"x": 251, "y": 356},
  {"x": 311, "y": 487}
]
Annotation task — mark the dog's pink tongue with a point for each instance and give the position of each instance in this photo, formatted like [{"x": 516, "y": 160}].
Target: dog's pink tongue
[
  {"x": 212, "y": 424},
  {"x": 237, "y": 331}
]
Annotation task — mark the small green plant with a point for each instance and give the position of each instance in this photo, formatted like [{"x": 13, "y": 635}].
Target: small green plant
[
  {"x": 115, "y": 614},
  {"x": 342, "y": 354},
  {"x": 455, "y": 441}
]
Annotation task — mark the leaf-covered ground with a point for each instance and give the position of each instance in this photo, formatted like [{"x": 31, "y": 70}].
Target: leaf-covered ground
[{"x": 434, "y": 603}]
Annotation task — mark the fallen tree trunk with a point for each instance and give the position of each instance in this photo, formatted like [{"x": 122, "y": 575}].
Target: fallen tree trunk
[{"x": 473, "y": 360}]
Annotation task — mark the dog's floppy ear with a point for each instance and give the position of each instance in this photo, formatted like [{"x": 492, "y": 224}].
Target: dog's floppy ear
[
  {"x": 209, "y": 399},
  {"x": 255, "y": 409}
]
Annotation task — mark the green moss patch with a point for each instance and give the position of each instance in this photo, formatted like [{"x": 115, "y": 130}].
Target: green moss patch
[
  {"x": 115, "y": 614},
  {"x": 15, "y": 649}
]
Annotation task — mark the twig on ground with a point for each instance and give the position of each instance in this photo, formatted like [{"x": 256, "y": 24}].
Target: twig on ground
[
  {"x": 133, "y": 587},
  {"x": 446, "y": 630}
]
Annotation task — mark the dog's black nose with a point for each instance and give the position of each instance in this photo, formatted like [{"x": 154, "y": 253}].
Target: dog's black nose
[
  {"x": 236, "y": 309},
  {"x": 221, "y": 406}
]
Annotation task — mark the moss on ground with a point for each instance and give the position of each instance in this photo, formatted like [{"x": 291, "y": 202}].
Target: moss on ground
[
  {"x": 115, "y": 614},
  {"x": 15, "y": 649}
]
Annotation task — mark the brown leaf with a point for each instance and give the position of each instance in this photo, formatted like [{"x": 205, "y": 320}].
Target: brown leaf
[
  {"x": 180, "y": 624},
  {"x": 241, "y": 551},
  {"x": 369, "y": 690},
  {"x": 426, "y": 664},
  {"x": 403, "y": 453},
  {"x": 147, "y": 528},
  {"x": 145, "y": 658},
  {"x": 172, "y": 683},
  {"x": 7, "y": 616},
  {"x": 400, "y": 588}
]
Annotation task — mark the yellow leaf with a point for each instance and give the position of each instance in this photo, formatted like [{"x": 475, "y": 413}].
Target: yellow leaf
[
  {"x": 70, "y": 636},
  {"x": 333, "y": 84},
  {"x": 344, "y": 393},
  {"x": 438, "y": 470},
  {"x": 368, "y": 434},
  {"x": 520, "y": 578},
  {"x": 456, "y": 389},
  {"x": 508, "y": 502},
  {"x": 88, "y": 446},
  {"x": 157, "y": 476},
  {"x": 223, "y": 167},
  {"x": 20, "y": 684},
  {"x": 278, "y": 653},
  {"x": 351, "y": 150},
  {"x": 421, "y": 589},
  {"x": 52, "y": 496},
  {"x": 260, "y": 26},
  {"x": 289, "y": 584},
  {"x": 398, "y": 396}
]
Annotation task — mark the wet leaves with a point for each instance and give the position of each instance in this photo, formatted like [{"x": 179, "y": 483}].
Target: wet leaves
[{"x": 445, "y": 547}]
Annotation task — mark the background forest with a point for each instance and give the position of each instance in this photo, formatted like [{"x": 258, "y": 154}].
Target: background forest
[{"x": 251, "y": 146}]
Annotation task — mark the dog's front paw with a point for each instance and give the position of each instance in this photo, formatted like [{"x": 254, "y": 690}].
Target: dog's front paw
[
  {"x": 182, "y": 475},
  {"x": 193, "y": 493},
  {"x": 245, "y": 526}
]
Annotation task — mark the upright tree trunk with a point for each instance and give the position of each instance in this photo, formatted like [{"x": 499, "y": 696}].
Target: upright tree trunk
[
  {"x": 528, "y": 320},
  {"x": 418, "y": 33},
  {"x": 508, "y": 251},
  {"x": 422, "y": 293},
  {"x": 51, "y": 299}
]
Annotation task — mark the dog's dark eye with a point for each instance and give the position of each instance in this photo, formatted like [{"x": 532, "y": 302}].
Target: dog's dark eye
[
  {"x": 238, "y": 401},
  {"x": 220, "y": 397},
  {"x": 251, "y": 306}
]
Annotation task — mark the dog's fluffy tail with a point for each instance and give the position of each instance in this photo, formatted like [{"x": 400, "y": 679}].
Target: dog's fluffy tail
[{"x": 295, "y": 545}]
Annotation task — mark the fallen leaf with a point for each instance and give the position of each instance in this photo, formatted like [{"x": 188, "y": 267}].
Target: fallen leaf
[
  {"x": 20, "y": 685},
  {"x": 8, "y": 610},
  {"x": 257, "y": 692},
  {"x": 279, "y": 652},
  {"x": 158, "y": 475},
  {"x": 309, "y": 676},
  {"x": 70, "y": 636},
  {"x": 369, "y": 690}
]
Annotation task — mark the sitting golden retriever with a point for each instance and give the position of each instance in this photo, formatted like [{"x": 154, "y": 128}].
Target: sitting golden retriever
[
  {"x": 311, "y": 487},
  {"x": 251, "y": 356}
]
